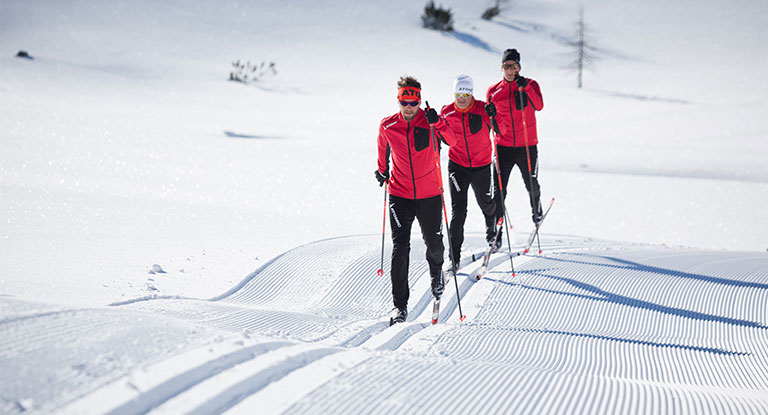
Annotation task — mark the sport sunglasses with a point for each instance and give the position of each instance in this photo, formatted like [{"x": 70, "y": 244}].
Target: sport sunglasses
[{"x": 410, "y": 103}]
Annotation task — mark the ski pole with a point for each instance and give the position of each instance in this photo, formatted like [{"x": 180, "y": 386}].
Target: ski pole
[
  {"x": 380, "y": 272},
  {"x": 445, "y": 212},
  {"x": 528, "y": 158},
  {"x": 501, "y": 197}
]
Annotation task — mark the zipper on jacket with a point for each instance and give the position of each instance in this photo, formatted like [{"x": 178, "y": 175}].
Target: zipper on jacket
[
  {"x": 410, "y": 157},
  {"x": 464, "y": 127}
]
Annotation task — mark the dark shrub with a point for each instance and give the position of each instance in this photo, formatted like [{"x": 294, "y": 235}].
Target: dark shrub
[
  {"x": 490, "y": 13},
  {"x": 437, "y": 18},
  {"x": 247, "y": 72}
]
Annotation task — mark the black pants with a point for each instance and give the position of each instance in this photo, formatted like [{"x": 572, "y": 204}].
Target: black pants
[
  {"x": 402, "y": 213},
  {"x": 509, "y": 157},
  {"x": 460, "y": 179}
]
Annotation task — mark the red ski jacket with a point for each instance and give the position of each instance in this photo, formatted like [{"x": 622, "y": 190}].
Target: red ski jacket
[
  {"x": 506, "y": 97},
  {"x": 470, "y": 126},
  {"x": 414, "y": 172}
]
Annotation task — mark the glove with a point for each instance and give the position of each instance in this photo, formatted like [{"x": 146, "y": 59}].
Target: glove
[
  {"x": 490, "y": 109},
  {"x": 521, "y": 82},
  {"x": 382, "y": 177},
  {"x": 432, "y": 117}
]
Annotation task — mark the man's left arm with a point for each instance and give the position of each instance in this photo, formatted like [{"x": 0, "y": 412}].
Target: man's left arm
[
  {"x": 445, "y": 131},
  {"x": 534, "y": 95}
]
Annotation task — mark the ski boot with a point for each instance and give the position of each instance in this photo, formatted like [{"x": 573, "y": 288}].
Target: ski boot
[
  {"x": 438, "y": 285},
  {"x": 450, "y": 272},
  {"x": 537, "y": 215},
  {"x": 398, "y": 316},
  {"x": 495, "y": 245}
]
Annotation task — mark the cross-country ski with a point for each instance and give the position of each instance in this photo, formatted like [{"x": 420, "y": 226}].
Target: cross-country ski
[
  {"x": 535, "y": 232},
  {"x": 435, "y": 310},
  {"x": 490, "y": 249}
]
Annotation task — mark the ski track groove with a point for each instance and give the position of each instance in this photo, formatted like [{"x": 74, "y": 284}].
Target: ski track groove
[
  {"x": 166, "y": 390},
  {"x": 65, "y": 347},
  {"x": 281, "y": 394},
  {"x": 258, "y": 380},
  {"x": 693, "y": 336}
]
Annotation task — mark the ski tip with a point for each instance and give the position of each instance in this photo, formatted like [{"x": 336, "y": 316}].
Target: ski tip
[{"x": 380, "y": 272}]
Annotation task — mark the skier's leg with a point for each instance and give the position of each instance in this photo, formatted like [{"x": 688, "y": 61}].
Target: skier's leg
[
  {"x": 459, "y": 185},
  {"x": 531, "y": 179},
  {"x": 429, "y": 214},
  {"x": 401, "y": 213},
  {"x": 481, "y": 185},
  {"x": 506, "y": 162}
]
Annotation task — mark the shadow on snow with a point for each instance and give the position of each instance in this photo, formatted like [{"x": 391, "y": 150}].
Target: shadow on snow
[
  {"x": 602, "y": 295},
  {"x": 633, "y": 341},
  {"x": 473, "y": 41},
  {"x": 232, "y": 134},
  {"x": 557, "y": 36},
  {"x": 619, "y": 263}
]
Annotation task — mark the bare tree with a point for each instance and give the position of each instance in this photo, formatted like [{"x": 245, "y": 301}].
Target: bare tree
[{"x": 583, "y": 49}]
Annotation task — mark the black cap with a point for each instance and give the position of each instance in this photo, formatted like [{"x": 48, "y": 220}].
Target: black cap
[{"x": 510, "y": 55}]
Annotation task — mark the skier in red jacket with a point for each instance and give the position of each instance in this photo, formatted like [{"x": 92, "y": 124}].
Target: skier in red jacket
[
  {"x": 470, "y": 162},
  {"x": 513, "y": 103},
  {"x": 414, "y": 187}
]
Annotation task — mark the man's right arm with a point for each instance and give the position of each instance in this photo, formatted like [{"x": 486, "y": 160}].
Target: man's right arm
[{"x": 383, "y": 152}]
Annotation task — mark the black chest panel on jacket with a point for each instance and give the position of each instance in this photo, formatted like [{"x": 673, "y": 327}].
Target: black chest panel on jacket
[
  {"x": 475, "y": 123},
  {"x": 420, "y": 138},
  {"x": 517, "y": 100}
]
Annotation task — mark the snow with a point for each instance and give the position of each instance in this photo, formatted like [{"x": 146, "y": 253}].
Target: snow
[{"x": 174, "y": 242}]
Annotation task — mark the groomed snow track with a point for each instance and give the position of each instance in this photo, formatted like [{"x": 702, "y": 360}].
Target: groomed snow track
[{"x": 590, "y": 327}]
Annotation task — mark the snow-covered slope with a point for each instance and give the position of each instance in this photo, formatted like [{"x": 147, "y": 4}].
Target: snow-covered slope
[
  {"x": 594, "y": 326},
  {"x": 124, "y": 146}
]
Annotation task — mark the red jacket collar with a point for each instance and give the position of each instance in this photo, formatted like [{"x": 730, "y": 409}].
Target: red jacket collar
[{"x": 469, "y": 107}]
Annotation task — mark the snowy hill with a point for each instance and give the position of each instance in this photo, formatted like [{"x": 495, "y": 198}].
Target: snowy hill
[
  {"x": 124, "y": 147},
  {"x": 594, "y": 327}
]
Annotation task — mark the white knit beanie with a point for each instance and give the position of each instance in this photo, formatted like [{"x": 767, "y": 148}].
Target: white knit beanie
[{"x": 463, "y": 85}]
